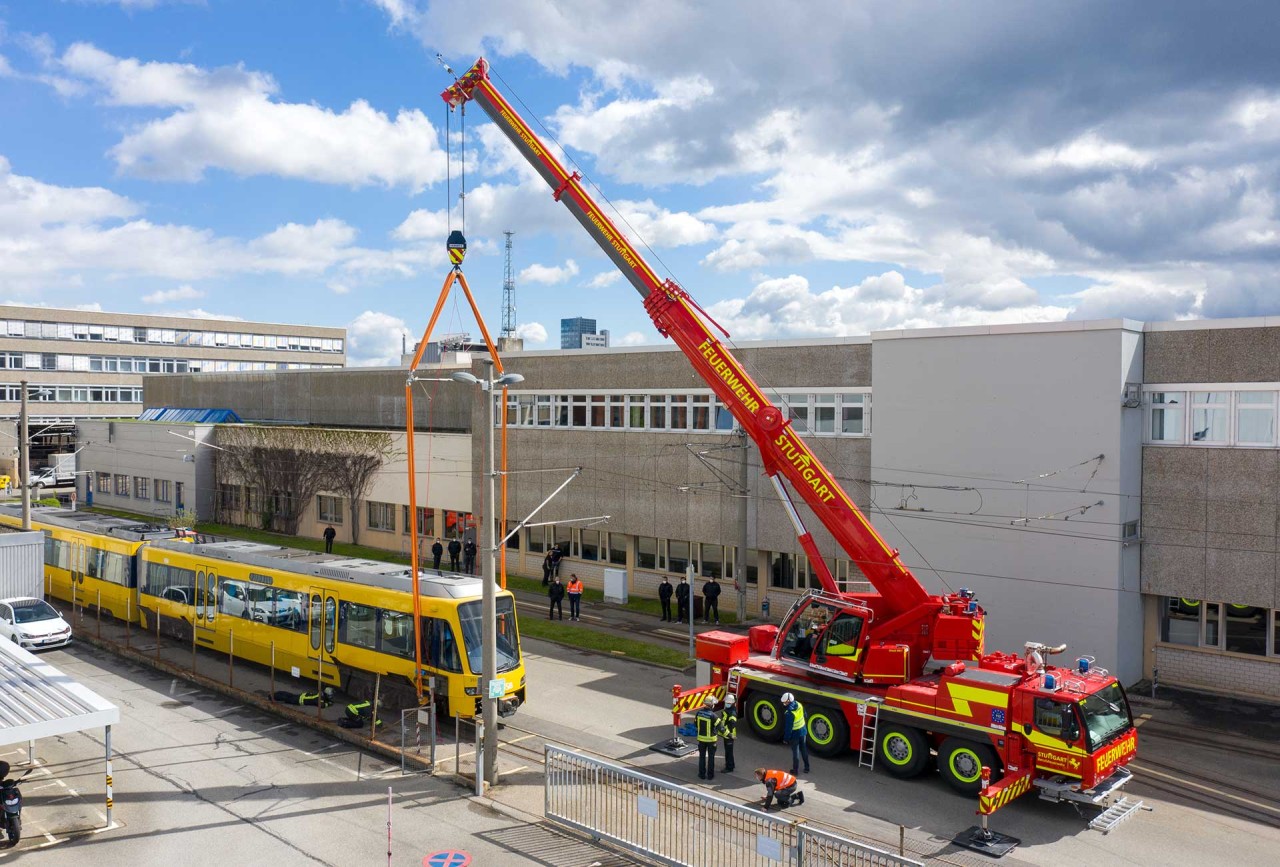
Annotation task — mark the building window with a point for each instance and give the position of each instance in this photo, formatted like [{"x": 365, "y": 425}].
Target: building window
[
  {"x": 122, "y": 486},
  {"x": 229, "y": 497},
  {"x": 618, "y": 549},
  {"x": 1209, "y": 416},
  {"x": 677, "y": 555},
  {"x": 458, "y": 523},
  {"x": 824, "y": 413},
  {"x": 1180, "y": 621},
  {"x": 852, "y": 414},
  {"x": 382, "y": 516},
  {"x": 162, "y": 491},
  {"x": 1256, "y": 418},
  {"x": 103, "y": 485},
  {"x": 712, "y": 561},
  {"x": 679, "y": 404},
  {"x": 1164, "y": 416},
  {"x": 701, "y": 412},
  {"x": 329, "y": 509},
  {"x": 590, "y": 544},
  {"x": 646, "y": 552},
  {"x": 782, "y": 571}
]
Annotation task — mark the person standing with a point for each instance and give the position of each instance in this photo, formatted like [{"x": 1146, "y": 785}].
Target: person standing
[
  {"x": 709, "y": 728},
  {"x": 575, "y": 596},
  {"x": 729, "y": 726},
  {"x": 469, "y": 556},
  {"x": 664, "y": 596},
  {"x": 556, "y": 556},
  {"x": 794, "y": 732},
  {"x": 437, "y": 551},
  {"x": 546, "y": 569},
  {"x": 780, "y": 785},
  {"x": 682, "y": 600},
  {"x": 555, "y": 593},
  {"x": 329, "y": 535},
  {"x": 711, "y": 600},
  {"x": 455, "y": 553}
]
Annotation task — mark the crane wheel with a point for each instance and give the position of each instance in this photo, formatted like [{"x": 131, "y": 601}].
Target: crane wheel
[
  {"x": 961, "y": 761},
  {"x": 828, "y": 732},
  {"x": 765, "y": 715},
  {"x": 903, "y": 750}
]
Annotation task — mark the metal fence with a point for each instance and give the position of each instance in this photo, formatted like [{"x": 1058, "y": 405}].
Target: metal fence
[{"x": 675, "y": 825}]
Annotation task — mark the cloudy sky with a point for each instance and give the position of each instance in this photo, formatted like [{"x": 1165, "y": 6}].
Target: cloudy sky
[{"x": 843, "y": 168}]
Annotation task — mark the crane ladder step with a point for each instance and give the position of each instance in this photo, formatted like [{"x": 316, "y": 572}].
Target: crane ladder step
[
  {"x": 1115, "y": 814},
  {"x": 870, "y": 726}
]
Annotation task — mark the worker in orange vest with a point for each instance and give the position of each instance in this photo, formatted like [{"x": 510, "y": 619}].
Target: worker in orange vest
[
  {"x": 575, "y": 597},
  {"x": 780, "y": 785}
]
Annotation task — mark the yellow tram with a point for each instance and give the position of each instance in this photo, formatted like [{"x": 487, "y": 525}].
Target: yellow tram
[{"x": 336, "y": 620}]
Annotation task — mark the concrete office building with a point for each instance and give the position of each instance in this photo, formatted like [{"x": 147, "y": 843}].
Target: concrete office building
[
  {"x": 1112, "y": 485},
  {"x": 580, "y": 333},
  {"x": 87, "y": 364}
]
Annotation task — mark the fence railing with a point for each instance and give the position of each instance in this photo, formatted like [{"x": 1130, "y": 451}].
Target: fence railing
[{"x": 676, "y": 825}]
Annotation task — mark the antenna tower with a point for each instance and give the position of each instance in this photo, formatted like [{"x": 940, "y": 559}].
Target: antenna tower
[{"x": 509, "y": 294}]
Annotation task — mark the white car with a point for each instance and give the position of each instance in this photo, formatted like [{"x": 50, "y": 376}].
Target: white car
[{"x": 33, "y": 624}]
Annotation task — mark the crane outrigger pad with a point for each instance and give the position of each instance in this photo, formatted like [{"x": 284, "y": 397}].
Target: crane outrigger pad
[{"x": 986, "y": 841}]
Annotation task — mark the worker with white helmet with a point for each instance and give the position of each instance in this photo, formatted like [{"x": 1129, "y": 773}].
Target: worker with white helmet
[
  {"x": 709, "y": 728},
  {"x": 794, "y": 732},
  {"x": 729, "y": 723}
]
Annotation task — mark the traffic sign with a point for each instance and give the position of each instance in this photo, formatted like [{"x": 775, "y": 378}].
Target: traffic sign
[{"x": 447, "y": 858}]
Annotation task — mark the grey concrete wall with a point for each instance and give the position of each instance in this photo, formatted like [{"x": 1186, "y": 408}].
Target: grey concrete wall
[
  {"x": 152, "y": 451},
  {"x": 353, "y": 397},
  {"x": 1213, "y": 355},
  {"x": 977, "y": 412}
]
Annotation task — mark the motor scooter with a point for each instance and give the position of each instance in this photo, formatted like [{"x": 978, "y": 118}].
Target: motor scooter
[{"x": 11, "y": 806}]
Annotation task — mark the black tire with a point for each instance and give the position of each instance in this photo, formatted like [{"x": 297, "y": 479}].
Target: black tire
[
  {"x": 765, "y": 716},
  {"x": 902, "y": 750},
  {"x": 15, "y": 830},
  {"x": 828, "y": 731},
  {"x": 961, "y": 761}
]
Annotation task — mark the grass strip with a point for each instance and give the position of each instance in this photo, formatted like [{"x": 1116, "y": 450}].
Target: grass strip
[{"x": 603, "y": 642}]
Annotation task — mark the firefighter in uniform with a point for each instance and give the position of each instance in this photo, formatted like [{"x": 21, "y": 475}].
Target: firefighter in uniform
[
  {"x": 357, "y": 715},
  {"x": 709, "y": 728},
  {"x": 323, "y": 698},
  {"x": 794, "y": 732},
  {"x": 780, "y": 785},
  {"x": 729, "y": 722}
]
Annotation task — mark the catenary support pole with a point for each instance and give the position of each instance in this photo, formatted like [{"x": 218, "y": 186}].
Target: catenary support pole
[
  {"x": 110, "y": 799},
  {"x": 24, "y": 459},
  {"x": 489, "y": 581}
]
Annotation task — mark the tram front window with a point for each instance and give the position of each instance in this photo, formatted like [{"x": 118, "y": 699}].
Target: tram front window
[{"x": 471, "y": 616}]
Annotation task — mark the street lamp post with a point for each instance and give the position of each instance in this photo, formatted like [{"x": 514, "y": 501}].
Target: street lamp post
[{"x": 489, "y": 580}]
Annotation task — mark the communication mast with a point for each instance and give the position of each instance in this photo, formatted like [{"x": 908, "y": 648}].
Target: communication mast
[{"x": 509, "y": 294}]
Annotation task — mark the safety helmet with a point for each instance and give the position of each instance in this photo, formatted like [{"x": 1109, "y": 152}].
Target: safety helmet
[
  {"x": 787, "y": 698},
  {"x": 729, "y": 700},
  {"x": 710, "y": 701}
]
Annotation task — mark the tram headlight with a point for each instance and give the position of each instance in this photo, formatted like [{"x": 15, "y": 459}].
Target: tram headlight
[{"x": 472, "y": 690}]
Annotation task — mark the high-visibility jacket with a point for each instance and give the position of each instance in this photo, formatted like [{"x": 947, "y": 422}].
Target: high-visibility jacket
[
  {"x": 311, "y": 698},
  {"x": 729, "y": 722},
  {"x": 793, "y": 722},
  {"x": 780, "y": 779},
  {"x": 709, "y": 726},
  {"x": 575, "y": 586}
]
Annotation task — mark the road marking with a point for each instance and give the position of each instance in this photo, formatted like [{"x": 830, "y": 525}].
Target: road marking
[
  {"x": 519, "y": 739},
  {"x": 1261, "y": 806},
  {"x": 1141, "y": 719},
  {"x": 273, "y": 728},
  {"x": 220, "y": 714},
  {"x": 322, "y": 749}
]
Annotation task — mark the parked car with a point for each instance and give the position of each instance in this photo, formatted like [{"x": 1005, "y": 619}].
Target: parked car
[
  {"x": 33, "y": 623},
  {"x": 45, "y": 478}
]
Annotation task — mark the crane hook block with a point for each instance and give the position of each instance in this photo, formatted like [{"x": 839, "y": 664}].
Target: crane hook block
[{"x": 457, "y": 247}]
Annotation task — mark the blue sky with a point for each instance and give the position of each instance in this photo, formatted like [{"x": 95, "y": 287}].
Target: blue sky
[{"x": 841, "y": 168}]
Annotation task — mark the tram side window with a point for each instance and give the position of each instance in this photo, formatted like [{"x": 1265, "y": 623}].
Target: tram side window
[
  {"x": 233, "y": 599},
  {"x": 108, "y": 567},
  {"x": 397, "y": 633},
  {"x": 358, "y": 625},
  {"x": 56, "y": 553},
  {"x": 171, "y": 582},
  {"x": 440, "y": 646},
  {"x": 292, "y": 606}
]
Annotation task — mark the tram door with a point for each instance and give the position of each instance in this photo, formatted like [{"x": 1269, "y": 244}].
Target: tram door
[
  {"x": 322, "y": 626},
  {"x": 77, "y": 569},
  {"x": 206, "y": 605}
]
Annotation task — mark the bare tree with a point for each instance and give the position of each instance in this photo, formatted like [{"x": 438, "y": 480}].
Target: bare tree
[
  {"x": 288, "y": 466},
  {"x": 355, "y": 456}
]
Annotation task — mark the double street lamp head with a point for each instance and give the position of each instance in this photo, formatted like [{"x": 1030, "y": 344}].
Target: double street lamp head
[{"x": 504, "y": 380}]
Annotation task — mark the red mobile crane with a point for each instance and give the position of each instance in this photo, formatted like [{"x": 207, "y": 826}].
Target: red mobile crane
[{"x": 895, "y": 674}]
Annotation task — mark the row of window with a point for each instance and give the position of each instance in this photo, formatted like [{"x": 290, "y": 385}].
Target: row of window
[
  {"x": 12, "y": 392},
  {"x": 128, "y": 364},
  {"x": 378, "y": 516},
  {"x": 1220, "y": 625},
  {"x": 825, "y": 413},
  {"x": 132, "y": 334},
  {"x": 1218, "y": 418},
  {"x": 138, "y": 487},
  {"x": 104, "y": 565},
  {"x": 785, "y": 570}
]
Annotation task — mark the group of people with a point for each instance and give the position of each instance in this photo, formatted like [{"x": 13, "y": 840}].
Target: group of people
[
  {"x": 457, "y": 550},
  {"x": 681, "y": 592},
  {"x": 556, "y": 591},
  {"x": 714, "y": 726},
  {"x": 355, "y": 715},
  {"x": 551, "y": 565}
]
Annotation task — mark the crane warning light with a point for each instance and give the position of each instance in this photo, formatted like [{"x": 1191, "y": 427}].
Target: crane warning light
[{"x": 457, "y": 247}]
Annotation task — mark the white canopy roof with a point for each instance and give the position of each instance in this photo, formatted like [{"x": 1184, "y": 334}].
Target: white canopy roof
[{"x": 38, "y": 701}]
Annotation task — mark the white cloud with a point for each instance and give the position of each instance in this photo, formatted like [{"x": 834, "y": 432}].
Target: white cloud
[
  {"x": 338, "y": 288},
  {"x": 549, "y": 274},
  {"x": 532, "y": 332},
  {"x": 604, "y": 279},
  {"x": 375, "y": 339},
  {"x": 200, "y": 313},
  {"x": 660, "y": 227},
  {"x": 634, "y": 338},
  {"x": 229, "y": 118},
  {"x": 422, "y": 225},
  {"x": 165, "y": 296}
]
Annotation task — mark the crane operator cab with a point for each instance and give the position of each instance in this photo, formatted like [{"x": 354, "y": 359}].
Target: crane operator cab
[{"x": 825, "y": 634}]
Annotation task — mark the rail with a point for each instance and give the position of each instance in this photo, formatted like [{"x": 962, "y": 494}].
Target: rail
[{"x": 675, "y": 825}]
